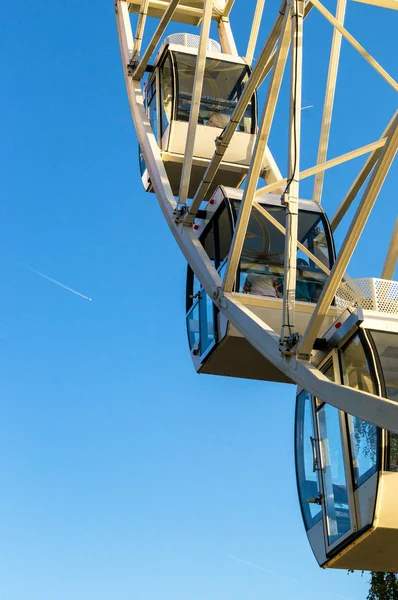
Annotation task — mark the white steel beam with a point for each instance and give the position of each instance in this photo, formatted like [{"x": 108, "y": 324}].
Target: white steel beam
[
  {"x": 228, "y": 7},
  {"x": 125, "y": 32},
  {"x": 350, "y": 38},
  {"x": 251, "y": 46},
  {"x": 195, "y": 102},
  {"x": 360, "y": 179},
  {"x": 329, "y": 100},
  {"x": 333, "y": 162},
  {"x": 371, "y": 408},
  {"x": 258, "y": 155},
  {"x": 186, "y": 238},
  {"x": 168, "y": 15},
  {"x": 392, "y": 255},
  {"x": 358, "y": 223},
  {"x": 382, "y": 3},
  {"x": 380, "y": 411},
  {"x": 291, "y": 194},
  {"x": 227, "y": 40},
  {"x": 226, "y": 136},
  {"x": 139, "y": 32}
]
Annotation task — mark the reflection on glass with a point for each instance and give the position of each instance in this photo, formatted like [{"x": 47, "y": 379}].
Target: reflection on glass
[
  {"x": 206, "y": 320},
  {"x": 193, "y": 325},
  {"x": 363, "y": 435},
  {"x": 334, "y": 477},
  {"x": 152, "y": 108},
  {"x": 166, "y": 89},
  {"x": 307, "y": 477},
  {"x": 387, "y": 349},
  {"x": 222, "y": 87},
  {"x": 263, "y": 255}
]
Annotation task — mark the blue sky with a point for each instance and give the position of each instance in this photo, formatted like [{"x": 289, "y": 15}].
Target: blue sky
[{"x": 124, "y": 474}]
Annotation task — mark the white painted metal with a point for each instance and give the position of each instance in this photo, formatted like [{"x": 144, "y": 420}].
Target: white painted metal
[
  {"x": 382, "y": 3},
  {"x": 329, "y": 164},
  {"x": 350, "y": 38},
  {"x": 392, "y": 255},
  {"x": 329, "y": 100},
  {"x": 291, "y": 194},
  {"x": 232, "y": 306},
  {"x": 195, "y": 103},
  {"x": 358, "y": 223},
  {"x": 139, "y": 32},
  {"x": 258, "y": 155},
  {"x": 168, "y": 15},
  {"x": 251, "y": 46},
  {"x": 361, "y": 178}
]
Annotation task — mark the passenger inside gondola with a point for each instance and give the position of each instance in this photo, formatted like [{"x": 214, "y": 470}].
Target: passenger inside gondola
[
  {"x": 262, "y": 259},
  {"x": 222, "y": 87}
]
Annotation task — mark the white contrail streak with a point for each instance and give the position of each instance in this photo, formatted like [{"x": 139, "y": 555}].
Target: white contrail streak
[
  {"x": 249, "y": 564},
  {"x": 57, "y": 282},
  {"x": 309, "y": 106}
]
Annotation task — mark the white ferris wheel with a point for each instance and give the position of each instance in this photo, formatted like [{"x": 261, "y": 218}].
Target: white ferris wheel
[{"x": 268, "y": 296}]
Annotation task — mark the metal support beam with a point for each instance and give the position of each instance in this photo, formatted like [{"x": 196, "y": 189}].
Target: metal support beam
[
  {"x": 226, "y": 136},
  {"x": 228, "y": 7},
  {"x": 227, "y": 40},
  {"x": 350, "y": 38},
  {"x": 291, "y": 194},
  {"x": 360, "y": 179},
  {"x": 392, "y": 255},
  {"x": 358, "y": 223},
  {"x": 195, "y": 102},
  {"x": 125, "y": 32},
  {"x": 168, "y": 15},
  {"x": 329, "y": 100},
  {"x": 333, "y": 162},
  {"x": 258, "y": 155},
  {"x": 251, "y": 46},
  {"x": 139, "y": 32}
]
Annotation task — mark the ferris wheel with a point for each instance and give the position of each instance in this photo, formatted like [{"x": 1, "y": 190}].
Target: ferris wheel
[{"x": 267, "y": 295}]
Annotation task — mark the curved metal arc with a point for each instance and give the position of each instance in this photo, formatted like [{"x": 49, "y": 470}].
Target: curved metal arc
[
  {"x": 380, "y": 411},
  {"x": 371, "y": 408}
]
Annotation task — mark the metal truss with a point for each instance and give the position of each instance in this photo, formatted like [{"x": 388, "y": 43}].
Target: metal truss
[{"x": 288, "y": 353}]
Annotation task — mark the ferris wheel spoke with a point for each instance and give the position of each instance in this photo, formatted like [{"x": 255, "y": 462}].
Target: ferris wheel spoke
[{"x": 329, "y": 100}]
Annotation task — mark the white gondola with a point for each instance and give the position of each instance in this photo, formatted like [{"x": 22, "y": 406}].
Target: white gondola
[
  {"x": 347, "y": 469},
  {"x": 217, "y": 347},
  {"x": 168, "y": 96}
]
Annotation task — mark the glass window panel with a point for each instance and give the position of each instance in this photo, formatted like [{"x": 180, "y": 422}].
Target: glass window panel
[
  {"x": 222, "y": 87},
  {"x": 363, "y": 435},
  {"x": 387, "y": 349},
  {"x": 263, "y": 255},
  {"x": 193, "y": 325},
  {"x": 307, "y": 476},
  {"x": 153, "y": 109},
  {"x": 166, "y": 89},
  {"x": 334, "y": 477},
  {"x": 207, "y": 322}
]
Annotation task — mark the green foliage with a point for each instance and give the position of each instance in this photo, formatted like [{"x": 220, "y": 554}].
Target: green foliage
[{"x": 383, "y": 586}]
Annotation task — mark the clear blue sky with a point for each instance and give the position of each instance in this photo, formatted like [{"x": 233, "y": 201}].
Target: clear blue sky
[{"x": 124, "y": 475}]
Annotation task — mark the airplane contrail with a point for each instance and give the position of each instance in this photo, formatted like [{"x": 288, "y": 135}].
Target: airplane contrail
[
  {"x": 56, "y": 282},
  {"x": 309, "y": 106},
  {"x": 249, "y": 564}
]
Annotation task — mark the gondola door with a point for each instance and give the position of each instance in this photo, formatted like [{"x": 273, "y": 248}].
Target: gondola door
[{"x": 335, "y": 468}]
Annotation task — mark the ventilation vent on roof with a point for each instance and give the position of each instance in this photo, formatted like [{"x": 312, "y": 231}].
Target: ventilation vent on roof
[{"x": 189, "y": 40}]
